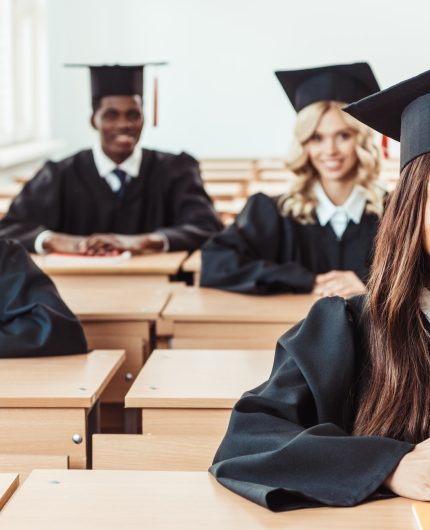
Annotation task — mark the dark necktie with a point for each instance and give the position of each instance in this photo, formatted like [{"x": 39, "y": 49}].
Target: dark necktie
[{"x": 122, "y": 177}]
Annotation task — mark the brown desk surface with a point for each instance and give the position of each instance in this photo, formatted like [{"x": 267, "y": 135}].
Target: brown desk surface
[
  {"x": 9, "y": 190},
  {"x": 162, "y": 263},
  {"x": 198, "y": 378},
  {"x": 193, "y": 263},
  {"x": 4, "y": 206},
  {"x": 210, "y": 305},
  {"x": 57, "y": 382},
  {"x": 8, "y": 484},
  {"x": 106, "y": 300},
  {"x": 161, "y": 500}
]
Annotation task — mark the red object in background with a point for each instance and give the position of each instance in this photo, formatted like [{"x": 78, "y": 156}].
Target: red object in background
[
  {"x": 155, "y": 103},
  {"x": 384, "y": 145}
]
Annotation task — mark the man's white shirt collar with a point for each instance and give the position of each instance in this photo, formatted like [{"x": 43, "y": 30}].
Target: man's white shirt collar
[
  {"x": 105, "y": 165},
  {"x": 352, "y": 209}
]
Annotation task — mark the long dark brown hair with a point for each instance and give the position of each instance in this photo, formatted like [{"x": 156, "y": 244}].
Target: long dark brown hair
[{"x": 396, "y": 402}]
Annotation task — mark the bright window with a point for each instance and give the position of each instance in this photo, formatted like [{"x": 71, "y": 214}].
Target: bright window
[{"x": 23, "y": 72}]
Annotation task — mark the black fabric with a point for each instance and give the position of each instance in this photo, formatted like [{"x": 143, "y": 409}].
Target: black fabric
[
  {"x": 70, "y": 197},
  {"x": 34, "y": 321},
  {"x": 401, "y": 112},
  {"x": 263, "y": 252},
  {"x": 339, "y": 82},
  {"x": 116, "y": 80},
  {"x": 289, "y": 442}
]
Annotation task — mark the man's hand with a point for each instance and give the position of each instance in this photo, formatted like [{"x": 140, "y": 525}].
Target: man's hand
[
  {"x": 102, "y": 244},
  {"x": 65, "y": 244},
  {"x": 338, "y": 283}
]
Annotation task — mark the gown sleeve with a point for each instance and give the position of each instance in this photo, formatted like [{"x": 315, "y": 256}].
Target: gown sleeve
[
  {"x": 243, "y": 258},
  {"x": 288, "y": 444},
  {"x": 34, "y": 321},
  {"x": 36, "y": 209},
  {"x": 193, "y": 218}
]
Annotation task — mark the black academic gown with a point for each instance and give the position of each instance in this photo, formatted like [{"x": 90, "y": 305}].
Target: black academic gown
[
  {"x": 70, "y": 197},
  {"x": 34, "y": 321},
  {"x": 263, "y": 252},
  {"x": 289, "y": 443}
]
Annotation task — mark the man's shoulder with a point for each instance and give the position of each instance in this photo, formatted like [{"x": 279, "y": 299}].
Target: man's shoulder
[
  {"x": 79, "y": 158},
  {"x": 167, "y": 158}
]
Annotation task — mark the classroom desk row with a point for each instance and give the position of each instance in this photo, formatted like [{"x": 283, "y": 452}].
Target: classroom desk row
[
  {"x": 50, "y": 405},
  {"x": 107, "y": 500},
  {"x": 121, "y": 310}
]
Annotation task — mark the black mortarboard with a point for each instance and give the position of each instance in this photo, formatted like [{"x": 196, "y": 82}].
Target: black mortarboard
[
  {"x": 401, "y": 112},
  {"x": 338, "y": 82},
  {"x": 116, "y": 80},
  {"x": 119, "y": 80}
]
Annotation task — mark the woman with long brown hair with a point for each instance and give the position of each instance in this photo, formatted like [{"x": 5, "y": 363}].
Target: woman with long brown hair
[
  {"x": 319, "y": 234},
  {"x": 345, "y": 414}
]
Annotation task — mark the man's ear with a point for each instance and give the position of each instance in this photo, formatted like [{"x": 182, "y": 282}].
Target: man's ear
[{"x": 93, "y": 121}]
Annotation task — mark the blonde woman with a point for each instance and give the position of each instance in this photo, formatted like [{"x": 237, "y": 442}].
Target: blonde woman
[{"x": 318, "y": 236}]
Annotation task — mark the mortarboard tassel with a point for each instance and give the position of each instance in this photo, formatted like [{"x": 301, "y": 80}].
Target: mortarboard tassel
[
  {"x": 155, "y": 103},
  {"x": 384, "y": 145}
]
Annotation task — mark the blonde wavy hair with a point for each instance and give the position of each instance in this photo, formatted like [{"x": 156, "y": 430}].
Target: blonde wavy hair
[{"x": 299, "y": 201}]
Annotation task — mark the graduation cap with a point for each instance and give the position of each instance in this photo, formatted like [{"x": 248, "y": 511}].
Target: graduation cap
[
  {"x": 338, "y": 82},
  {"x": 401, "y": 112},
  {"x": 120, "y": 80}
]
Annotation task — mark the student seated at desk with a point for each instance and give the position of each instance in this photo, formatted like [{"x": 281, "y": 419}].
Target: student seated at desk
[
  {"x": 34, "y": 321},
  {"x": 116, "y": 196},
  {"x": 345, "y": 414},
  {"x": 319, "y": 234}
]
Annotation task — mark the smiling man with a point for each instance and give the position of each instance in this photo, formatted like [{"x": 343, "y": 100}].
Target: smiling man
[{"x": 115, "y": 196}]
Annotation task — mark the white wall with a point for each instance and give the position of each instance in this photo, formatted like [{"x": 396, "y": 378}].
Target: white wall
[{"x": 219, "y": 96}]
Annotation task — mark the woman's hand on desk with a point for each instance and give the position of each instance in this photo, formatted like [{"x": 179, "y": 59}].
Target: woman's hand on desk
[
  {"x": 99, "y": 244},
  {"x": 338, "y": 283},
  {"x": 411, "y": 478}
]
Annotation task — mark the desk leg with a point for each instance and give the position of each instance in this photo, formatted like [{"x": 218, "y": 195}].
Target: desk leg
[
  {"x": 132, "y": 421},
  {"x": 93, "y": 427}
]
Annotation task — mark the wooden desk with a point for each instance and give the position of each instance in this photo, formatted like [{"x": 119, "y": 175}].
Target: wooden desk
[
  {"x": 160, "y": 266},
  {"x": 9, "y": 482},
  {"x": 193, "y": 391},
  {"x": 208, "y": 318},
  {"x": 136, "y": 500},
  {"x": 154, "y": 452},
  {"x": 193, "y": 264},
  {"x": 48, "y": 405},
  {"x": 219, "y": 190},
  {"x": 269, "y": 188},
  {"x": 283, "y": 175},
  {"x": 9, "y": 190},
  {"x": 227, "y": 175},
  {"x": 117, "y": 315},
  {"x": 4, "y": 207},
  {"x": 226, "y": 164}
]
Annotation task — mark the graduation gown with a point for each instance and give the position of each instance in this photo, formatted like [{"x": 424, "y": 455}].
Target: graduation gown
[
  {"x": 289, "y": 443},
  {"x": 263, "y": 252},
  {"x": 70, "y": 197},
  {"x": 34, "y": 321}
]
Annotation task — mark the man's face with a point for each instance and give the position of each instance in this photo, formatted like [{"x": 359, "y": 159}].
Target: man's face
[{"x": 119, "y": 120}]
